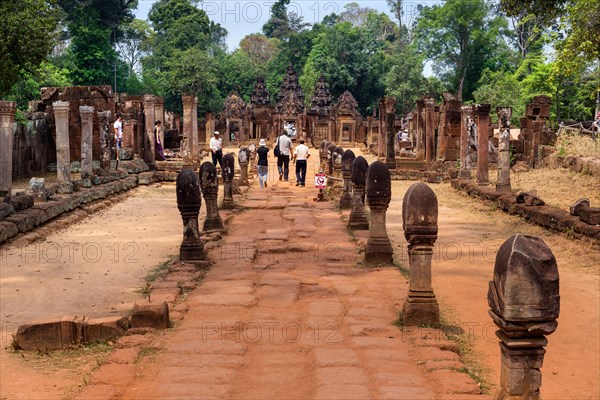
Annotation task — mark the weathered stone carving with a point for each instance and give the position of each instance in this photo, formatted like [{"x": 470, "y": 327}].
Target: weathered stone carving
[
  {"x": 228, "y": 173},
  {"x": 149, "y": 143},
  {"x": 189, "y": 203},
  {"x": 105, "y": 140},
  {"x": 504, "y": 115},
  {"x": 483, "y": 128},
  {"x": 243, "y": 160},
  {"x": 346, "y": 197},
  {"x": 358, "y": 217},
  {"x": 524, "y": 303},
  {"x": 390, "y": 107},
  {"x": 260, "y": 93},
  {"x": 86, "y": 114},
  {"x": 419, "y": 220},
  {"x": 187, "y": 142},
  {"x": 210, "y": 188},
  {"x": 379, "y": 193},
  {"x": 466, "y": 113}
]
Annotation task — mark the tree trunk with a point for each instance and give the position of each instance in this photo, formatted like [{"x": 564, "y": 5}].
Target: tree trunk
[{"x": 459, "y": 95}]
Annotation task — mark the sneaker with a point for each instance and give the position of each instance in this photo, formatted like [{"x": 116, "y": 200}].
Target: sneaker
[
  {"x": 302, "y": 184},
  {"x": 280, "y": 176},
  {"x": 265, "y": 184},
  {"x": 297, "y": 184}
]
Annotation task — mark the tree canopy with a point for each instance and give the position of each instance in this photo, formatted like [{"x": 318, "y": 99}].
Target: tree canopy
[{"x": 500, "y": 52}]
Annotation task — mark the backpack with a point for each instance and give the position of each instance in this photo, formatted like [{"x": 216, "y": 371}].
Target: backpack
[{"x": 276, "y": 149}]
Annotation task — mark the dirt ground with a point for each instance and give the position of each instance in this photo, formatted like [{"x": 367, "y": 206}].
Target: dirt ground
[
  {"x": 469, "y": 235},
  {"x": 93, "y": 268},
  {"x": 37, "y": 281}
]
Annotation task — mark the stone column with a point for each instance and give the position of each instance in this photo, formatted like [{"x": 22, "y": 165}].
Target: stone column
[
  {"x": 187, "y": 142},
  {"x": 195, "y": 147},
  {"x": 331, "y": 147},
  {"x": 466, "y": 113},
  {"x": 210, "y": 188},
  {"x": 86, "y": 113},
  {"x": 63, "y": 155},
  {"x": 159, "y": 115},
  {"x": 483, "y": 129},
  {"x": 346, "y": 198},
  {"x": 105, "y": 137},
  {"x": 358, "y": 217},
  {"x": 429, "y": 130},
  {"x": 524, "y": 304},
  {"x": 419, "y": 221},
  {"x": 228, "y": 172},
  {"x": 421, "y": 133},
  {"x": 323, "y": 155},
  {"x": 7, "y": 121},
  {"x": 390, "y": 108},
  {"x": 149, "y": 130},
  {"x": 504, "y": 115},
  {"x": 210, "y": 127},
  {"x": 243, "y": 160},
  {"x": 188, "y": 203},
  {"x": 382, "y": 141},
  {"x": 337, "y": 165},
  {"x": 379, "y": 193}
]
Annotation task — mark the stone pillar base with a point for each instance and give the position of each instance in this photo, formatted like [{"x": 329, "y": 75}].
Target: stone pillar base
[
  {"x": 420, "y": 308},
  {"x": 391, "y": 164},
  {"x": 211, "y": 224},
  {"x": 191, "y": 251},
  {"x": 346, "y": 201},
  {"x": 503, "y": 188},
  {"x": 65, "y": 188},
  {"x": 358, "y": 222},
  {"x": 228, "y": 204},
  {"x": 379, "y": 251},
  {"x": 464, "y": 174},
  {"x": 483, "y": 183}
]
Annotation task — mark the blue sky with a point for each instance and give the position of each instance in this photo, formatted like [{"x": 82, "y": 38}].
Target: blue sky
[{"x": 242, "y": 17}]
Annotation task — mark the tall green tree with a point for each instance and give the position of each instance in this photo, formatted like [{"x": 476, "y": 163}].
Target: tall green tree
[
  {"x": 349, "y": 59},
  {"x": 27, "y": 36},
  {"x": 404, "y": 79},
  {"x": 461, "y": 37}
]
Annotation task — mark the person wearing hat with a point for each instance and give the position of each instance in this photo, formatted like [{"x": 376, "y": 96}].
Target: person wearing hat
[
  {"x": 216, "y": 147},
  {"x": 263, "y": 163}
]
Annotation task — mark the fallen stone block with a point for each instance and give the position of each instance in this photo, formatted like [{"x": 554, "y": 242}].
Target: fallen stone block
[
  {"x": 105, "y": 329},
  {"x": 49, "y": 334},
  {"x": 21, "y": 202},
  {"x": 146, "y": 178},
  {"x": 7, "y": 230},
  {"x": 5, "y": 210},
  {"x": 150, "y": 315},
  {"x": 579, "y": 205},
  {"x": 590, "y": 215},
  {"x": 52, "y": 208},
  {"x": 27, "y": 219}
]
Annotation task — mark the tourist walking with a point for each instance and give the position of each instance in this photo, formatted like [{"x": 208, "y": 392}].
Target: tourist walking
[
  {"x": 301, "y": 155},
  {"x": 216, "y": 148},
  {"x": 262, "y": 163},
  {"x": 160, "y": 154},
  {"x": 118, "y": 128},
  {"x": 284, "y": 144}
]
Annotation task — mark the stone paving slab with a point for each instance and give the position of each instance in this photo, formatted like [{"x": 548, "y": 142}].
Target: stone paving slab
[{"x": 299, "y": 318}]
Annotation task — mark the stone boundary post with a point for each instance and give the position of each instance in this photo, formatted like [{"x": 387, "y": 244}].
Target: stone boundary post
[
  {"x": 346, "y": 197},
  {"x": 419, "y": 221},
  {"x": 524, "y": 304},
  {"x": 210, "y": 187},
  {"x": 379, "y": 193},
  {"x": 504, "y": 115},
  {"x": 189, "y": 203},
  {"x": 86, "y": 113}
]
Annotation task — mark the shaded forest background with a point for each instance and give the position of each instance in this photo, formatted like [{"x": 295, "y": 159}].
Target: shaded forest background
[{"x": 502, "y": 52}]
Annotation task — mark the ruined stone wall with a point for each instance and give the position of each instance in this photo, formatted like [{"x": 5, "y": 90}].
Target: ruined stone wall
[
  {"x": 33, "y": 147},
  {"x": 99, "y": 97}
]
